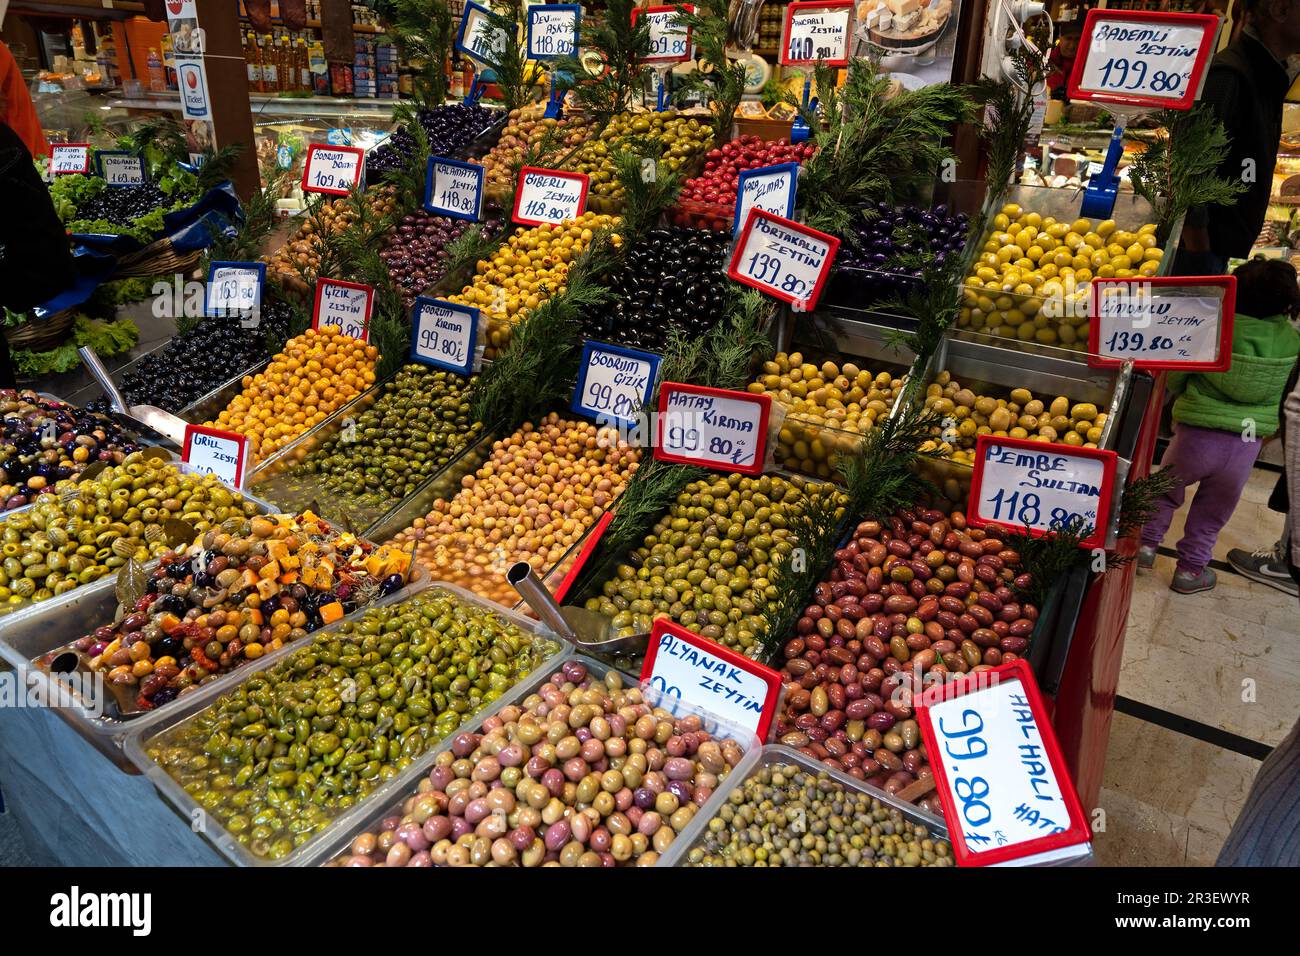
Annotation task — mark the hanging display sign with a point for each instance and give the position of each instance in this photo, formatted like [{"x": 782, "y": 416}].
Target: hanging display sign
[
  {"x": 817, "y": 33},
  {"x": 614, "y": 382},
  {"x": 1019, "y": 484},
  {"x": 119, "y": 168},
  {"x": 333, "y": 170},
  {"x": 683, "y": 665},
  {"x": 670, "y": 42},
  {"x": 770, "y": 188},
  {"x": 234, "y": 288},
  {"x": 68, "y": 158},
  {"x": 477, "y": 38},
  {"x": 192, "y": 82},
  {"x": 1006, "y": 792},
  {"x": 453, "y": 188},
  {"x": 211, "y": 451},
  {"x": 1165, "y": 322},
  {"x": 1143, "y": 58},
  {"x": 712, "y": 427},
  {"x": 548, "y": 197},
  {"x": 446, "y": 335},
  {"x": 786, "y": 260},
  {"x": 553, "y": 30},
  {"x": 345, "y": 304}
]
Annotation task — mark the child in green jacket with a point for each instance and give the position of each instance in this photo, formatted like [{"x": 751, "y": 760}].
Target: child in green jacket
[{"x": 1221, "y": 419}]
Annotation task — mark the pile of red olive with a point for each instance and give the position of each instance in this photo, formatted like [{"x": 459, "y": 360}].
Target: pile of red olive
[{"x": 708, "y": 201}]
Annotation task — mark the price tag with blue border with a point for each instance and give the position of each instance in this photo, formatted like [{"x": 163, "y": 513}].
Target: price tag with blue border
[
  {"x": 445, "y": 335},
  {"x": 613, "y": 381},
  {"x": 234, "y": 288},
  {"x": 117, "y": 167},
  {"x": 770, "y": 188},
  {"x": 553, "y": 30},
  {"x": 477, "y": 38},
  {"x": 453, "y": 188}
]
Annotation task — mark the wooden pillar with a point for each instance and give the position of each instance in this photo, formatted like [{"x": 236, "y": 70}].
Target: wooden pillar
[{"x": 223, "y": 61}]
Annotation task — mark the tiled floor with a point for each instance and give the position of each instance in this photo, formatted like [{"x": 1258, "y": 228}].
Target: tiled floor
[{"x": 1227, "y": 658}]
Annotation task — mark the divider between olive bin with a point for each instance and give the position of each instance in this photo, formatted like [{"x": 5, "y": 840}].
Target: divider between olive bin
[
  {"x": 139, "y": 738},
  {"x": 770, "y": 755}
]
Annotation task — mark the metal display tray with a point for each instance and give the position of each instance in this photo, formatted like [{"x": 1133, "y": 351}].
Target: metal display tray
[
  {"x": 137, "y": 741},
  {"x": 342, "y": 837}
]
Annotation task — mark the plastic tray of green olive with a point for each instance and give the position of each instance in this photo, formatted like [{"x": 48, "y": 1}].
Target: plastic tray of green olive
[
  {"x": 147, "y": 745},
  {"x": 705, "y": 843}
]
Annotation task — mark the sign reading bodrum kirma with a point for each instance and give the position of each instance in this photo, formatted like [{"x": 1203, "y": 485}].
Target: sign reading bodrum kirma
[
  {"x": 553, "y": 30},
  {"x": 345, "y": 304},
  {"x": 770, "y": 188},
  {"x": 445, "y": 334},
  {"x": 1143, "y": 58},
  {"x": 613, "y": 382},
  {"x": 1018, "y": 483},
  {"x": 216, "y": 452},
  {"x": 816, "y": 33},
  {"x": 670, "y": 42},
  {"x": 68, "y": 158},
  {"x": 683, "y": 665},
  {"x": 1006, "y": 793},
  {"x": 478, "y": 39},
  {"x": 783, "y": 258},
  {"x": 453, "y": 188},
  {"x": 234, "y": 288},
  {"x": 549, "y": 197},
  {"x": 120, "y": 168},
  {"x": 333, "y": 170},
  {"x": 712, "y": 427},
  {"x": 1168, "y": 322}
]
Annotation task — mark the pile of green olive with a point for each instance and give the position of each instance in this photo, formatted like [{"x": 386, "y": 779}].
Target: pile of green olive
[
  {"x": 684, "y": 139},
  {"x": 785, "y": 815},
  {"x": 293, "y": 746},
  {"x": 707, "y": 563},
  {"x": 88, "y": 528}
]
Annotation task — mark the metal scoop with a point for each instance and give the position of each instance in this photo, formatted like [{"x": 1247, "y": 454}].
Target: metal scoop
[
  {"x": 164, "y": 424},
  {"x": 590, "y": 630}
]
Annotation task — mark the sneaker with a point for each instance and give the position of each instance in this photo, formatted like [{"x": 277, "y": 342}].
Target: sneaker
[
  {"x": 1146, "y": 558},
  {"x": 1185, "y": 582},
  {"x": 1266, "y": 566}
]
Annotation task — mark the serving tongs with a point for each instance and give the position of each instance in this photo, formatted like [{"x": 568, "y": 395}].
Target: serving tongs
[
  {"x": 163, "y": 425},
  {"x": 589, "y": 630}
]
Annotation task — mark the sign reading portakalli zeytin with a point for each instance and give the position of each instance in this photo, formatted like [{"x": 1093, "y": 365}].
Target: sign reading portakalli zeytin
[
  {"x": 216, "y": 452},
  {"x": 446, "y": 335},
  {"x": 786, "y": 260},
  {"x": 345, "y": 304},
  {"x": 713, "y": 427},
  {"x": 1143, "y": 58},
  {"x": 1166, "y": 322}
]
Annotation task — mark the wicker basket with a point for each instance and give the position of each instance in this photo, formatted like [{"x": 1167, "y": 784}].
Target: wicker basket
[
  {"x": 157, "y": 258},
  {"x": 41, "y": 335}
]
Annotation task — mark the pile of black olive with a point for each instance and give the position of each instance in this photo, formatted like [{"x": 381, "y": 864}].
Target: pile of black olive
[
  {"x": 123, "y": 205},
  {"x": 449, "y": 128},
  {"x": 871, "y": 264},
  {"x": 672, "y": 277},
  {"x": 210, "y": 354}
]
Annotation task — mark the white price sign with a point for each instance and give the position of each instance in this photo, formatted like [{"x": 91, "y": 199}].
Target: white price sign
[
  {"x": 1020, "y": 484},
  {"x": 670, "y": 42},
  {"x": 684, "y": 666},
  {"x": 453, "y": 188},
  {"x": 782, "y": 258},
  {"x": 712, "y": 427},
  {"x": 770, "y": 188},
  {"x": 333, "y": 170},
  {"x": 478, "y": 39},
  {"x": 1006, "y": 793},
  {"x": 1141, "y": 58},
  {"x": 121, "y": 168},
  {"x": 549, "y": 197},
  {"x": 345, "y": 304},
  {"x": 216, "y": 452},
  {"x": 445, "y": 335},
  {"x": 1167, "y": 322},
  {"x": 553, "y": 30},
  {"x": 234, "y": 288},
  {"x": 817, "y": 32},
  {"x": 613, "y": 382},
  {"x": 68, "y": 158}
]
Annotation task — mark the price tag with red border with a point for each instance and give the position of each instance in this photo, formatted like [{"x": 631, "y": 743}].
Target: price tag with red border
[
  {"x": 681, "y": 664},
  {"x": 1166, "y": 322},
  {"x": 786, "y": 260},
  {"x": 817, "y": 33},
  {"x": 1007, "y": 795},
  {"x": 1019, "y": 483},
  {"x": 548, "y": 197},
  {"x": 345, "y": 304},
  {"x": 68, "y": 158},
  {"x": 713, "y": 427},
  {"x": 333, "y": 170},
  {"x": 212, "y": 451},
  {"x": 669, "y": 41},
  {"x": 1143, "y": 58}
]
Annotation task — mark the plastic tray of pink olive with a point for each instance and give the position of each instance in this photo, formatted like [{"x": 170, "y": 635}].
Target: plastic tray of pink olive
[
  {"x": 582, "y": 771},
  {"x": 910, "y": 601}
]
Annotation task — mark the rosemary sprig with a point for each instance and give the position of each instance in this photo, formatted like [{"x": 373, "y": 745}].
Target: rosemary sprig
[
  {"x": 423, "y": 29},
  {"x": 624, "y": 46},
  {"x": 516, "y": 78},
  {"x": 1008, "y": 113},
  {"x": 649, "y": 493},
  {"x": 648, "y": 196},
  {"x": 721, "y": 80}
]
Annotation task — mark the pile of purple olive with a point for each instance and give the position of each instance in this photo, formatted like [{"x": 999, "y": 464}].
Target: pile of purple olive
[
  {"x": 449, "y": 129},
  {"x": 415, "y": 250},
  {"x": 872, "y": 263}
]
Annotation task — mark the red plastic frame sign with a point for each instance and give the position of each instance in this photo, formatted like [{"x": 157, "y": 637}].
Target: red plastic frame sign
[
  {"x": 712, "y": 427},
  {"x": 584, "y": 555},
  {"x": 665, "y": 34},
  {"x": 817, "y": 33},
  {"x": 1019, "y": 483},
  {"x": 703, "y": 673},
  {"x": 1169, "y": 322},
  {"x": 1007, "y": 795},
  {"x": 548, "y": 197},
  {"x": 333, "y": 170},
  {"x": 345, "y": 304},
  {"x": 1143, "y": 58},
  {"x": 786, "y": 260},
  {"x": 68, "y": 158},
  {"x": 216, "y": 452}
]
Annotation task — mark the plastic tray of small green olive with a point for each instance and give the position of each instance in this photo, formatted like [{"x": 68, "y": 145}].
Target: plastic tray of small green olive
[
  {"x": 137, "y": 741},
  {"x": 771, "y": 755}
]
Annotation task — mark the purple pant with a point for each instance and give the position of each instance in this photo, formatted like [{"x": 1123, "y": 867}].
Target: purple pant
[{"x": 1221, "y": 462}]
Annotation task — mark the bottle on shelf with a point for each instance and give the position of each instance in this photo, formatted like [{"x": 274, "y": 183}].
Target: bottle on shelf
[
  {"x": 270, "y": 72},
  {"x": 254, "y": 63},
  {"x": 154, "y": 68},
  {"x": 302, "y": 62}
]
